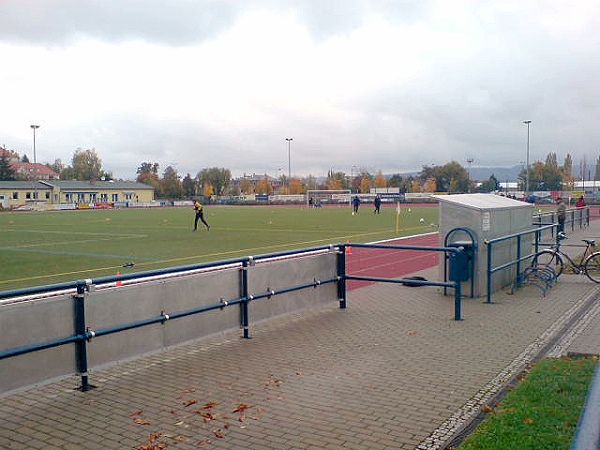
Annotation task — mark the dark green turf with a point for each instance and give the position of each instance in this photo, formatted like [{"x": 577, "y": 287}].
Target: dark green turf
[{"x": 50, "y": 247}]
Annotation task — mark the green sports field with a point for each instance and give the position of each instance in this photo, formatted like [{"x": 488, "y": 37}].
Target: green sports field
[{"x": 40, "y": 248}]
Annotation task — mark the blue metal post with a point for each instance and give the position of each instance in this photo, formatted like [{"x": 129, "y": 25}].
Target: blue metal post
[
  {"x": 341, "y": 273},
  {"x": 80, "y": 330},
  {"x": 457, "y": 301},
  {"x": 244, "y": 295},
  {"x": 489, "y": 273}
]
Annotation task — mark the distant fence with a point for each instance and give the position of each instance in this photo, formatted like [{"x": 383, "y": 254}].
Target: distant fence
[{"x": 57, "y": 330}]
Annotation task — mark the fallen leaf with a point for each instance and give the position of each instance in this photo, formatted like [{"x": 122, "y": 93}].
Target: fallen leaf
[
  {"x": 136, "y": 413},
  {"x": 241, "y": 407},
  {"x": 411, "y": 332},
  {"x": 141, "y": 422},
  {"x": 204, "y": 442},
  {"x": 190, "y": 402},
  {"x": 528, "y": 420},
  {"x": 219, "y": 434},
  {"x": 207, "y": 416},
  {"x": 487, "y": 409}
]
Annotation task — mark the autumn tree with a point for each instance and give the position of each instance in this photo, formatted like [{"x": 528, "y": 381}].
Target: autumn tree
[
  {"x": 246, "y": 186},
  {"x": 171, "y": 183},
  {"x": 380, "y": 181},
  {"x": 365, "y": 184},
  {"x": 336, "y": 180},
  {"x": 207, "y": 189},
  {"x": 85, "y": 165},
  {"x": 430, "y": 185},
  {"x": 296, "y": 186},
  {"x": 451, "y": 177},
  {"x": 218, "y": 177},
  {"x": 263, "y": 186},
  {"x": 147, "y": 169}
]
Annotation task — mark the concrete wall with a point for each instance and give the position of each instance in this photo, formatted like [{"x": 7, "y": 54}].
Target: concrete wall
[{"x": 37, "y": 321}]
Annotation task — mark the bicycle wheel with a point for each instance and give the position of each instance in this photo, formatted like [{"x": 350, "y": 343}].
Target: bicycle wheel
[
  {"x": 550, "y": 259},
  {"x": 592, "y": 267}
]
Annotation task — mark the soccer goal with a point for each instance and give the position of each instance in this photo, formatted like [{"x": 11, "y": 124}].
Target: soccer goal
[{"x": 317, "y": 197}]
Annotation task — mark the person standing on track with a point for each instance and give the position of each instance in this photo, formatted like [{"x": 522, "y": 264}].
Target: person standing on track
[
  {"x": 199, "y": 215},
  {"x": 377, "y": 203}
]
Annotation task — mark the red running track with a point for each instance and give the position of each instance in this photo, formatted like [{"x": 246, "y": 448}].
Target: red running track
[{"x": 391, "y": 263}]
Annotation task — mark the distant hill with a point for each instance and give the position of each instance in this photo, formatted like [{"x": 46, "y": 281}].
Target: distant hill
[{"x": 502, "y": 174}]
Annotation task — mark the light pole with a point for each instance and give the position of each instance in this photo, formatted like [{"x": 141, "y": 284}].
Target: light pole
[
  {"x": 469, "y": 162},
  {"x": 34, "y": 127},
  {"x": 289, "y": 141},
  {"x": 527, "y": 122}
]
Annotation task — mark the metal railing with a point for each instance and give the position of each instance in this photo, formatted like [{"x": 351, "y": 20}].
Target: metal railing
[
  {"x": 456, "y": 285},
  {"x": 545, "y": 222},
  {"x": 83, "y": 333}
]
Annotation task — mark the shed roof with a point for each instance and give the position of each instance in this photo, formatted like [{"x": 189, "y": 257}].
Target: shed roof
[{"x": 482, "y": 201}]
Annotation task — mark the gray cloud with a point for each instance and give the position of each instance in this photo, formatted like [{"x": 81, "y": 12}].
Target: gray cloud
[{"x": 385, "y": 85}]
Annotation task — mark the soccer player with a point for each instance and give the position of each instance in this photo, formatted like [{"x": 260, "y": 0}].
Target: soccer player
[
  {"x": 199, "y": 215},
  {"x": 355, "y": 204},
  {"x": 377, "y": 203}
]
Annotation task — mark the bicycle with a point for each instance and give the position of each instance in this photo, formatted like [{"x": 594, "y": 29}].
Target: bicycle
[{"x": 552, "y": 258}]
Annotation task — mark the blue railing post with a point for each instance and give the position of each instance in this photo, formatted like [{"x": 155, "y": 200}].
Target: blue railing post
[
  {"x": 244, "y": 296},
  {"x": 457, "y": 301},
  {"x": 518, "y": 277},
  {"x": 80, "y": 330},
  {"x": 489, "y": 273},
  {"x": 341, "y": 273}
]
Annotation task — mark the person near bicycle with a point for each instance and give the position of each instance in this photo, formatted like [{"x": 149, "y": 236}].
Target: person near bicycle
[{"x": 561, "y": 214}]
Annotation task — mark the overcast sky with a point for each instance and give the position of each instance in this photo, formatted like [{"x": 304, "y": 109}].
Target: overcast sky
[{"x": 388, "y": 85}]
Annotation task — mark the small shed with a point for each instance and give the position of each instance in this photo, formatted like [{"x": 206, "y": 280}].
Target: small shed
[{"x": 488, "y": 216}]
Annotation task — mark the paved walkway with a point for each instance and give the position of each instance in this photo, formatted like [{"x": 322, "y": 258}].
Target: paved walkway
[{"x": 392, "y": 371}]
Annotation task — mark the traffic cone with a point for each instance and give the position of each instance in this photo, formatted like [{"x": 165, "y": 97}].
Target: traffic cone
[
  {"x": 348, "y": 248},
  {"x": 119, "y": 282}
]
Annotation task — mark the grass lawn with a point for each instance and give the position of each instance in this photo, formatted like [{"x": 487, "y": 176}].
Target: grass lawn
[
  {"x": 541, "y": 413},
  {"x": 50, "y": 247}
]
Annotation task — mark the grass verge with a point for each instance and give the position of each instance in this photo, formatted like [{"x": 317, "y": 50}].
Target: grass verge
[{"x": 541, "y": 412}]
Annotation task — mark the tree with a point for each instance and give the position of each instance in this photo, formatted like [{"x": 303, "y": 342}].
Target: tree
[
  {"x": 380, "y": 181},
  {"x": 171, "y": 184},
  {"x": 567, "y": 171},
  {"x": 491, "y": 185},
  {"x": 7, "y": 173},
  {"x": 188, "y": 186},
  {"x": 58, "y": 166},
  {"x": 218, "y": 178},
  {"x": 85, "y": 165},
  {"x": 296, "y": 186},
  {"x": 546, "y": 176},
  {"x": 145, "y": 169},
  {"x": 245, "y": 186},
  {"x": 263, "y": 186},
  {"x": 336, "y": 180},
  {"x": 430, "y": 185},
  {"x": 365, "y": 185},
  {"x": 451, "y": 177}
]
